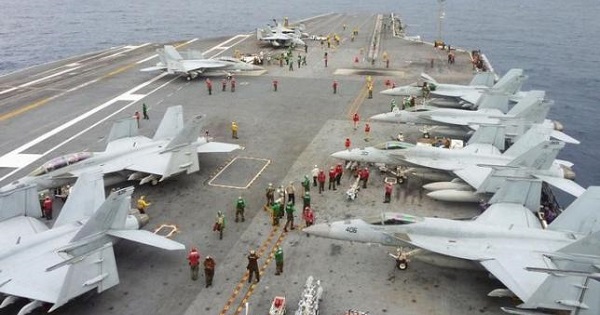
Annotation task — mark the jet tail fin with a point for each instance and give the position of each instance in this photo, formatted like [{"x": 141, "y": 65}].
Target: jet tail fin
[
  {"x": 493, "y": 100},
  {"x": 538, "y": 133},
  {"x": 539, "y": 157},
  {"x": 112, "y": 214},
  {"x": 171, "y": 124},
  {"x": 124, "y": 128},
  {"x": 86, "y": 196},
  {"x": 172, "y": 59},
  {"x": 573, "y": 284},
  {"x": 524, "y": 192},
  {"x": 187, "y": 135},
  {"x": 483, "y": 79},
  {"x": 486, "y": 134},
  {"x": 20, "y": 201},
  {"x": 532, "y": 107},
  {"x": 511, "y": 82},
  {"x": 582, "y": 216}
]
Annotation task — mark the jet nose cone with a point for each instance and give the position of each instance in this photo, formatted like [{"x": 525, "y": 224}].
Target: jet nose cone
[
  {"x": 347, "y": 155},
  {"x": 385, "y": 117},
  {"x": 321, "y": 229},
  {"x": 389, "y": 92}
]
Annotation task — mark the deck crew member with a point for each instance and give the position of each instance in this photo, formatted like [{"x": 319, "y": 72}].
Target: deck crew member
[
  {"x": 253, "y": 266},
  {"x": 209, "y": 270},
  {"x": 194, "y": 261},
  {"x": 142, "y": 205}
]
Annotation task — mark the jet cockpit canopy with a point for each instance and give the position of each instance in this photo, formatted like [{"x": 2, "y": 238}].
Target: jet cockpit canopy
[
  {"x": 61, "y": 162},
  {"x": 394, "y": 145},
  {"x": 388, "y": 218}
]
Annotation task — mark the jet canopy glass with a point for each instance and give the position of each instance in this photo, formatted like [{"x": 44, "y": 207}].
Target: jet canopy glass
[
  {"x": 394, "y": 145},
  {"x": 392, "y": 219},
  {"x": 60, "y": 162}
]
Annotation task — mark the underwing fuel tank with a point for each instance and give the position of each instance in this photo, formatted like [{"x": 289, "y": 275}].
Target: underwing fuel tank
[
  {"x": 446, "y": 186},
  {"x": 451, "y": 195}
]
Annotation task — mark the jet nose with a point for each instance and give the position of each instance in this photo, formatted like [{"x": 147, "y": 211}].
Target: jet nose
[
  {"x": 321, "y": 229},
  {"x": 385, "y": 117},
  {"x": 389, "y": 91},
  {"x": 347, "y": 155}
]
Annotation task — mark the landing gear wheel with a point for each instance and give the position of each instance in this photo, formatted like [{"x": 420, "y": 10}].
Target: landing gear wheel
[
  {"x": 154, "y": 182},
  {"x": 400, "y": 180},
  {"x": 188, "y": 77},
  {"x": 401, "y": 264}
]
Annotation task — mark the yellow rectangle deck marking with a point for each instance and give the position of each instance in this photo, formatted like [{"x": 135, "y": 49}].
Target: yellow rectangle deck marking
[{"x": 212, "y": 180}]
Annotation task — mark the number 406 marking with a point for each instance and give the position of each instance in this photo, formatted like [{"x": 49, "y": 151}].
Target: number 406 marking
[{"x": 351, "y": 229}]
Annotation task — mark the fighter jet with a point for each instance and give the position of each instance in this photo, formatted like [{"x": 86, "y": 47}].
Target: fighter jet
[
  {"x": 74, "y": 256},
  {"x": 173, "y": 63},
  {"x": 278, "y": 39},
  {"x": 173, "y": 150},
  {"x": 506, "y": 240},
  {"x": 510, "y": 84},
  {"x": 479, "y": 165},
  {"x": 531, "y": 109}
]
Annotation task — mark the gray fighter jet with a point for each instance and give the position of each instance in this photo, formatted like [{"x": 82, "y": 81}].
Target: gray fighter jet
[
  {"x": 507, "y": 240},
  {"x": 74, "y": 256},
  {"x": 479, "y": 165},
  {"x": 173, "y": 150},
  {"x": 173, "y": 63},
  {"x": 277, "y": 38},
  {"x": 510, "y": 84},
  {"x": 531, "y": 109}
]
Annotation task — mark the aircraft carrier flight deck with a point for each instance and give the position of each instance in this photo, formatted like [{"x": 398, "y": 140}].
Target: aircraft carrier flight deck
[{"x": 69, "y": 106}]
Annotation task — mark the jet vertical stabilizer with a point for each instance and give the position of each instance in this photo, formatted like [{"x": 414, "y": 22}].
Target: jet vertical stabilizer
[
  {"x": 530, "y": 108},
  {"x": 20, "y": 201},
  {"x": 535, "y": 135},
  {"x": 111, "y": 214},
  {"x": 573, "y": 285},
  {"x": 173, "y": 59},
  {"x": 493, "y": 135},
  {"x": 124, "y": 128},
  {"x": 86, "y": 196},
  {"x": 171, "y": 124},
  {"x": 511, "y": 82},
  {"x": 518, "y": 191},
  {"x": 582, "y": 216},
  {"x": 483, "y": 79},
  {"x": 493, "y": 100},
  {"x": 539, "y": 157}
]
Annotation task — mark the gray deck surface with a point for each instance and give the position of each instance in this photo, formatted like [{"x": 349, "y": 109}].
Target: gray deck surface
[{"x": 289, "y": 131}]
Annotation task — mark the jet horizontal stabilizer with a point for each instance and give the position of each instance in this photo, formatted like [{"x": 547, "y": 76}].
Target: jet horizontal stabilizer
[{"x": 148, "y": 238}]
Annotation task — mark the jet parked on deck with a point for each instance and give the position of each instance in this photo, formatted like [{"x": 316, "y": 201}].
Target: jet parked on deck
[
  {"x": 173, "y": 63},
  {"x": 74, "y": 256},
  {"x": 507, "y": 240},
  {"x": 173, "y": 150}
]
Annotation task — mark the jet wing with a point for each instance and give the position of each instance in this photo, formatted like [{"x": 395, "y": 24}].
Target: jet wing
[
  {"x": 54, "y": 277},
  {"x": 473, "y": 175},
  {"x": 155, "y": 68},
  {"x": 147, "y": 238},
  {"x": 218, "y": 147},
  {"x": 510, "y": 270},
  {"x": 191, "y": 65},
  {"x": 12, "y": 230},
  {"x": 464, "y": 121},
  {"x": 471, "y": 97}
]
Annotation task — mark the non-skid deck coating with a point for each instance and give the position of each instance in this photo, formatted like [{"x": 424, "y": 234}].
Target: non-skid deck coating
[{"x": 69, "y": 106}]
